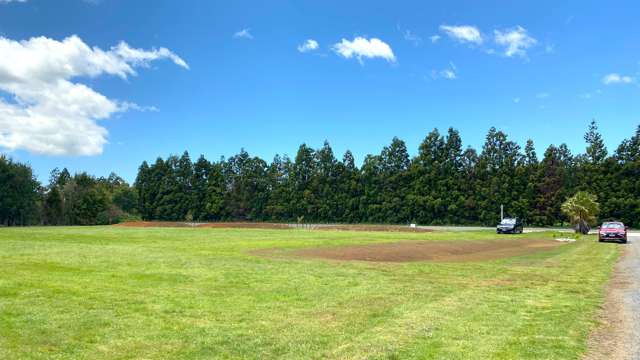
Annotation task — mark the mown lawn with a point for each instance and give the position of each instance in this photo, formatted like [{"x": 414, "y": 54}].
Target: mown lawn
[{"x": 119, "y": 293}]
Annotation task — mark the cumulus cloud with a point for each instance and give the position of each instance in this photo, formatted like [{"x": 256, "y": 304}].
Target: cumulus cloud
[
  {"x": 243, "y": 34},
  {"x": 613, "y": 78},
  {"x": 516, "y": 41},
  {"x": 46, "y": 112},
  {"x": 463, "y": 33},
  {"x": 309, "y": 45},
  {"x": 362, "y": 48},
  {"x": 513, "y": 41}
]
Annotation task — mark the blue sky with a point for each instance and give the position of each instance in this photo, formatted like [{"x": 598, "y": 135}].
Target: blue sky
[{"x": 540, "y": 70}]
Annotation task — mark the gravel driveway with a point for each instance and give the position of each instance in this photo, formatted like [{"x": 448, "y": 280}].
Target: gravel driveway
[{"x": 619, "y": 336}]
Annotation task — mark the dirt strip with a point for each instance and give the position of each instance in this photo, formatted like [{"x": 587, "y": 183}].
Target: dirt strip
[
  {"x": 618, "y": 336},
  {"x": 411, "y": 251}
]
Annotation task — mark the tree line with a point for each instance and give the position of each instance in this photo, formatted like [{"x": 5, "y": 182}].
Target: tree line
[
  {"x": 445, "y": 183},
  {"x": 80, "y": 199}
]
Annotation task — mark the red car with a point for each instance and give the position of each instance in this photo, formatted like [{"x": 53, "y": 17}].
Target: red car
[{"x": 613, "y": 230}]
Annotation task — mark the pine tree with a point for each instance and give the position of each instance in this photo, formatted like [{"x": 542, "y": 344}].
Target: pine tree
[
  {"x": 550, "y": 184},
  {"x": 216, "y": 192},
  {"x": 526, "y": 178},
  {"x": 372, "y": 190},
  {"x": 278, "y": 204},
  {"x": 303, "y": 202},
  {"x": 324, "y": 185},
  {"x": 199, "y": 187},
  {"x": 425, "y": 173},
  {"x": 496, "y": 175},
  {"x": 596, "y": 150},
  {"x": 394, "y": 161},
  {"x": 349, "y": 189},
  {"x": 143, "y": 187}
]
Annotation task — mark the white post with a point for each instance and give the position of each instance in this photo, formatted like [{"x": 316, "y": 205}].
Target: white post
[{"x": 501, "y": 212}]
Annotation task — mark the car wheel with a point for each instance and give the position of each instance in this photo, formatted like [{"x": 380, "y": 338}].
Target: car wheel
[
  {"x": 600, "y": 240},
  {"x": 623, "y": 241}
]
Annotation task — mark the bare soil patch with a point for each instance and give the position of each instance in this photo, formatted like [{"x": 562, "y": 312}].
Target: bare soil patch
[{"x": 439, "y": 251}]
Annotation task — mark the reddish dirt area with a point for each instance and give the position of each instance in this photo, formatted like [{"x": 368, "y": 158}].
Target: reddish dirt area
[
  {"x": 408, "y": 251},
  {"x": 439, "y": 251},
  {"x": 257, "y": 225}
]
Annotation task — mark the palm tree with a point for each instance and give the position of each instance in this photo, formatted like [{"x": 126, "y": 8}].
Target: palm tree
[{"x": 582, "y": 209}]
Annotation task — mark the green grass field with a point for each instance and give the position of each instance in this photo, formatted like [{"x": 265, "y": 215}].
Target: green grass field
[{"x": 127, "y": 293}]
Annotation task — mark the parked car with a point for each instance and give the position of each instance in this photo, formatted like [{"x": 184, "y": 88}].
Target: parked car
[
  {"x": 613, "y": 230},
  {"x": 510, "y": 226}
]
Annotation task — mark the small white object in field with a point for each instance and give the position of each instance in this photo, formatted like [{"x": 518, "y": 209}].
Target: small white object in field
[
  {"x": 566, "y": 240},
  {"x": 412, "y": 225}
]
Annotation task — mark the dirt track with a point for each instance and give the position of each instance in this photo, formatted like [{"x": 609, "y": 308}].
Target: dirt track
[
  {"x": 618, "y": 337},
  {"x": 444, "y": 251}
]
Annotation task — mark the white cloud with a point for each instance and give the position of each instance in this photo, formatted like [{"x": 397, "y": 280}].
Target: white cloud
[
  {"x": 309, "y": 45},
  {"x": 434, "y": 38},
  {"x": 515, "y": 40},
  {"x": 243, "y": 34},
  {"x": 542, "y": 95},
  {"x": 127, "y": 106},
  {"x": 464, "y": 33},
  {"x": 413, "y": 38},
  {"x": 448, "y": 74},
  {"x": 9, "y": 1},
  {"x": 362, "y": 48},
  {"x": 139, "y": 57},
  {"x": 614, "y": 78},
  {"x": 50, "y": 114}
]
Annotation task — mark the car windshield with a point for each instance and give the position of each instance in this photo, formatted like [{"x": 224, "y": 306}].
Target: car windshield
[
  {"x": 612, "y": 226},
  {"x": 508, "y": 221}
]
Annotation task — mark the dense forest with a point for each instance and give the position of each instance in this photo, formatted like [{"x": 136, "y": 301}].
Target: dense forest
[
  {"x": 444, "y": 183},
  {"x": 80, "y": 199}
]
